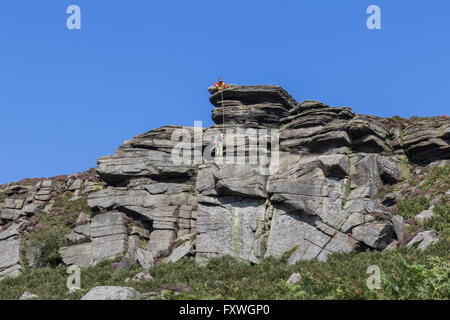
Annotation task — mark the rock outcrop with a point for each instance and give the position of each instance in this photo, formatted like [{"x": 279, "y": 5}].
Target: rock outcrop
[{"x": 313, "y": 195}]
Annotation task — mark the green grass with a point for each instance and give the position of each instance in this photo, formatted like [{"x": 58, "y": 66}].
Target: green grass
[
  {"x": 437, "y": 181},
  {"x": 50, "y": 282},
  {"x": 409, "y": 207},
  {"x": 406, "y": 274},
  {"x": 441, "y": 220}
]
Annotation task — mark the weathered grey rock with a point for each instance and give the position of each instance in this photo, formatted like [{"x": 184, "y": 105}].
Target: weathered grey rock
[
  {"x": 83, "y": 218},
  {"x": 316, "y": 128},
  {"x": 43, "y": 197},
  {"x": 10, "y": 272},
  {"x": 80, "y": 255},
  {"x": 393, "y": 169},
  {"x": 340, "y": 242},
  {"x": 355, "y": 219},
  {"x": 147, "y": 155},
  {"x": 107, "y": 224},
  {"x": 301, "y": 185},
  {"x": 141, "y": 276},
  {"x": 390, "y": 199},
  {"x": 289, "y": 231},
  {"x": 141, "y": 232},
  {"x": 252, "y": 106},
  {"x": 240, "y": 180},
  {"x": 424, "y": 215},
  {"x": 10, "y": 204},
  {"x": 10, "y": 242},
  {"x": 28, "y": 296},
  {"x": 32, "y": 208},
  {"x": 108, "y": 247},
  {"x": 160, "y": 241},
  {"x": 227, "y": 226},
  {"x": 399, "y": 227},
  {"x": 125, "y": 262},
  {"x": 305, "y": 251},
  {"x": 113, "y": 293},
  {"x": 160, "y": 209},
  {"x": 108, "y": 236},
  {"x": 368, "y": 134},
  {"x": 10, "y": 214},
  {"x": 391, "y": 246},
  {"x": 80, "y": 232},
  {"x": 425, "y": 239},
  {"x": 205, "y": 182},
  {"x": 179, "y": 252},
  {"x": 427, "y": 139},
  {"x": 295, "y": 278},
  {"x": 377, "y": 234},
  {"x": 76, "y": 185},
  {"x": 135, "y": 243},
  {"x": 19, "y": 203},
  {"x": 145, "y": 258},
  {"x": 47, "y": 184},
  {"x": 365, "y": 206},
  {"x": 364, "y": 176},
  {"x": 335, "y": 165}
]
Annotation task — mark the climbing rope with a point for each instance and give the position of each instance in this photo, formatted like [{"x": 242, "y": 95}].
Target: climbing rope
[{"x": 223, "y": 112}]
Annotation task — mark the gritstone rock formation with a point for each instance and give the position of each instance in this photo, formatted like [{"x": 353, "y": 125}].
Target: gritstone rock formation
[{"x": 321, "y": 199}]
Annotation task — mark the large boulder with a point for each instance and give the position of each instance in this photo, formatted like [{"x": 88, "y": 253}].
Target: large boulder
[
  {"x": 368, "y": 134},
  {"x": 109, "y": 238},
  {"x": 393, "y": 169},
  {"x": 147, "y": 155},
  {"x": 423, "y": 239},
  {"x": 301, "y": 184},
  {"x": 313, "y": 127},
  {"x": 377, "y": 234},
  {"x": 80, "y": 255},
  {"x": 113, "y": 293},
  {"x": 399, "y": 227},
  {"x": 252, "y": 106},
  {"x": 10, "y": 242},
  {"x": 228, "y": 226},
  {"x": 427, "y": 139},
  {"x": 180, "y": 252}
]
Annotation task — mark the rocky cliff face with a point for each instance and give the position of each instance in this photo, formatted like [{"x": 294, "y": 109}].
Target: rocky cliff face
[{"x": 323, "y": 198}]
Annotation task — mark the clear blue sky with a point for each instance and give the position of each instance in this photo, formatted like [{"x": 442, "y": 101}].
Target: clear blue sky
[{"x": 68, "y": 97}]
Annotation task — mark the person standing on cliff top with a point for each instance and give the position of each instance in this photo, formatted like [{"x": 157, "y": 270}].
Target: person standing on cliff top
[{"x": 220, "y": 85}]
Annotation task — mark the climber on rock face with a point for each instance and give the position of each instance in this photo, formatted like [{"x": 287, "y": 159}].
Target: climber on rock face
[
  {"x": 220, "y": 85},
  {"x": 219, "y": 145}
]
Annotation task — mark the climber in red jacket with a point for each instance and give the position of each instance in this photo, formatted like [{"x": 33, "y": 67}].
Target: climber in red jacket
[{"x": 220, "y": 85}]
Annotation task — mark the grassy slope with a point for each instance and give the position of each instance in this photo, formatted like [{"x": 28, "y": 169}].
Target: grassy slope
[{"x": 406, "y": 274}]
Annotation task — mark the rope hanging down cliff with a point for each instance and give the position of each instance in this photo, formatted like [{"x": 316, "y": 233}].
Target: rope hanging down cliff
[{"x": 220, "y": 85}]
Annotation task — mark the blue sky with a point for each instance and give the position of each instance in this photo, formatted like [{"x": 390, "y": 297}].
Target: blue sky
[{"x": 68, "y": 97}]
